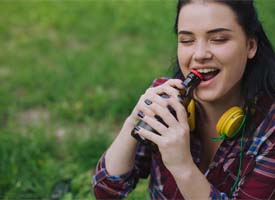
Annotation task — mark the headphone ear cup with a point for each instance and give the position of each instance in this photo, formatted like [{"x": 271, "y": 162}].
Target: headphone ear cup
[
  {"x": 230, "y": 121},
  {"x": 191, "y": 115}
]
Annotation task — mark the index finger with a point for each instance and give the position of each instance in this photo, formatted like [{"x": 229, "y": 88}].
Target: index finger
[{"x": 175, "y": 83}]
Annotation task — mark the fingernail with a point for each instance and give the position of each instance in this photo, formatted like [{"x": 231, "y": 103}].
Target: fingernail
[
  {"x": 148, "y": 102},
  {"x": 137, "y": 128},
  {"x": 140, "y": 114},
  {"x": 165, "y": 96}
]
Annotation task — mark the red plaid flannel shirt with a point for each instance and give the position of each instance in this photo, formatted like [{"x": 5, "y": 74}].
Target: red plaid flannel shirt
[{"x": 257, "y": 179}]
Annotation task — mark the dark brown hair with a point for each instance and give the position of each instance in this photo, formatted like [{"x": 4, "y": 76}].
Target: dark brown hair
[{"x": 259, "y": 75}]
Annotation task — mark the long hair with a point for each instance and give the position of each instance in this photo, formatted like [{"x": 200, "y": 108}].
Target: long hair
[{"x": 259, "y": 75}]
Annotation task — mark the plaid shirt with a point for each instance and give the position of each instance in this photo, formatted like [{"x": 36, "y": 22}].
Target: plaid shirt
[{"x": 257, "y": 178}]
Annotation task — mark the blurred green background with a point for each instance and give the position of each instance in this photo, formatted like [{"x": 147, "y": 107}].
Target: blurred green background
[{"x": 70, "y": 73}]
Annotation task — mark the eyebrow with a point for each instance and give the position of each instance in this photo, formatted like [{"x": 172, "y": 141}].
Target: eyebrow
[{"x": 216, "y": 30}]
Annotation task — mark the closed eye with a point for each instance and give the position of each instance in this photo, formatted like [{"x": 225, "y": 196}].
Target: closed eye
[
  {"x": 219, "y": 40},
  {"x": 186, "y": 41}
]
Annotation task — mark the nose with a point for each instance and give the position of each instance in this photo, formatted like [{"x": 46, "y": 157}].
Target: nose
[{"x": 202, "y": 52}]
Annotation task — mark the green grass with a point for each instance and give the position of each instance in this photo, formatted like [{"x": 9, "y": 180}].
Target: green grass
[{"x": 70, "y": 73}]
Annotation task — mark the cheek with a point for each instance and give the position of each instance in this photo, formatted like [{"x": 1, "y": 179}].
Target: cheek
[
  {"x": 184, "y": 58},
  {"x": 233, "y": 61},
  {"x": 233, "y": 54}
]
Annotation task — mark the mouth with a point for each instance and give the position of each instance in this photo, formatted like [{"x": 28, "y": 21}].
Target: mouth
[{"x": 208, "y": 73}]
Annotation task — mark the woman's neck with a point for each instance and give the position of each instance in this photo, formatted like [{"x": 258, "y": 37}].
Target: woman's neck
[{"x": 210, "y": 112}]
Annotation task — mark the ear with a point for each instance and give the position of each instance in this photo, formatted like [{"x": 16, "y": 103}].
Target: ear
[{"x": 252, "y": 45}]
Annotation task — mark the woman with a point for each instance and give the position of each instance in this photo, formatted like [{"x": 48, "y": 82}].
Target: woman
[{"x": 224, "y": 41}]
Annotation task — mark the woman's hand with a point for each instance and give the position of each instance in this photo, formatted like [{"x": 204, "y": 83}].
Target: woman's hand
[{"x": 173, "y": 141}]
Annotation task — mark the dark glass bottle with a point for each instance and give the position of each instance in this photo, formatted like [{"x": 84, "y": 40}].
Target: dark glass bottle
[{"x": 190, "y": 83}]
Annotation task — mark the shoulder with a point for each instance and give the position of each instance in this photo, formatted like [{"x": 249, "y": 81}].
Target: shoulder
[
  {"x": 268, "y": 121},
  {"x": 264, "y": 135}
]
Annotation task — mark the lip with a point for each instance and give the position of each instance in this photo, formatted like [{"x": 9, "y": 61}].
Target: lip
[
  {"x": 208, "y": 82},
  {"x": 204, "y": 84},
  {"x": 203, "y": 67}
]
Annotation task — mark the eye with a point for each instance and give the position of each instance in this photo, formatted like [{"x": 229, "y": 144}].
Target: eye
[
  {"x": 219, "y": 40},
  {"x": 186, "y": 41}
]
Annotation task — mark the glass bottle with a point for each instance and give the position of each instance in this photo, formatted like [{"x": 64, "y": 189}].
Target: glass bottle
[{"x": 189, "y": 83}]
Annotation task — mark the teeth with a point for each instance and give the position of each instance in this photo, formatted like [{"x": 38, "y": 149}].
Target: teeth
[{"x": 206, "y": 70}]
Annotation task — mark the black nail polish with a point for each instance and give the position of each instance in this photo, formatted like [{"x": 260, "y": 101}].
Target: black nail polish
[
  {"x": 140, "y": 114},
  {"x": 165, "y": 96},
  {"x": 148, "y": 102},
  {"x": 137, "y": 128}
]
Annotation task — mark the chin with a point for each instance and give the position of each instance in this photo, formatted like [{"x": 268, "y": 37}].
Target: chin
[{"x": 205, "y": 97}]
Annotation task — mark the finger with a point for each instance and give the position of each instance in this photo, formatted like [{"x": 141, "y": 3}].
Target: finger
[
  {"x": 145, "y": 101},
  {"x": 180, "y": 110},
  {"x": 160, "y": 107},
  {"x": 153, "y": 93},
  {"x": 153, "y": 122},
  {"x": 163, "y": 89},
  {"x": 155, "y": 138},
  {"x": 164, "y": 102},
  {"x": 140, "y": 104},
  {"x": 176, "y": 83},
  {"x": 156, "y": 99},
  {"x": 146, "y": 111},
  {"x": 144, "y": 105}
]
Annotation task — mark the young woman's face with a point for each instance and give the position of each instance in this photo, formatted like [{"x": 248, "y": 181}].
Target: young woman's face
[{"x": 211, "y": 41}]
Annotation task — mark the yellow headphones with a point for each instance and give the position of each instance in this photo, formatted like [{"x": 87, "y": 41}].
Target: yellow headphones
[
  {"x": 230, "y": 123},
  {"x": 227, "y": 126}
]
